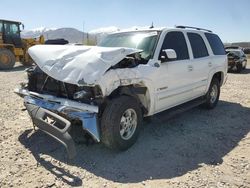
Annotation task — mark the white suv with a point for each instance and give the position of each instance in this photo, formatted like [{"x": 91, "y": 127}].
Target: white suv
[{"x": 109, "y": 88}]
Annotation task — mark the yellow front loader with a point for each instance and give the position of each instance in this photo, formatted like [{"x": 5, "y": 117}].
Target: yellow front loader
[{"x": 12, "y": 47}]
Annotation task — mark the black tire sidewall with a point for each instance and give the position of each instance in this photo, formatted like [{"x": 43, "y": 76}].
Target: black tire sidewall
[
  {"x": 110, "y": 123},
  {"x": 245, "y": 66},
  {"x": 239, "y": 67},
  {"x": 208, "y": 103}
]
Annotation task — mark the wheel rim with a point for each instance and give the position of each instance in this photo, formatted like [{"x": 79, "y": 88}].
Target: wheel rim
[
  {"x": 213, "y": 94},
  {"x": 128, "y": 124},
  {"x": 5, "y": 59}
]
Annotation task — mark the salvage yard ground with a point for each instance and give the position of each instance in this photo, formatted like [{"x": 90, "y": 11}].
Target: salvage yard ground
[{"x": 198, "y": 148}]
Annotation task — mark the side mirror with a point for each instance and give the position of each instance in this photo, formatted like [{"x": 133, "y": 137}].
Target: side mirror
[
  {"x": 168, "y": 55},
  {"x": 22, "y": 26}
]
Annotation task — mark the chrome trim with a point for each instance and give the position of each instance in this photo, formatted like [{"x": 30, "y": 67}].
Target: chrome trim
[
  {"x": 63, "y": 102},
  {"x": 73, "y": 110}
]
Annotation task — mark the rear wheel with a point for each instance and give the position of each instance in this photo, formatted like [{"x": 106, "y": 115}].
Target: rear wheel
[
  {"x": 239, "y": 67},
  {"x": 245, "y": 65},
  {"x": 213, "y": 94},
  {"x": 120, "y": 124},
  {"x": 7, "y": 59}
]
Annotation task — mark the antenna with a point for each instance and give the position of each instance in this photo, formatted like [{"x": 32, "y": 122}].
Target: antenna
[{"x": 152, "y": 26}]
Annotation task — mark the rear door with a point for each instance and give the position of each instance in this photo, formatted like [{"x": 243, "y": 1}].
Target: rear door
[{"x": 201, "y": 63}]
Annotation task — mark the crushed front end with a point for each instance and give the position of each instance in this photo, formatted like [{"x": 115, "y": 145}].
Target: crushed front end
[{"x": 53, "y": 105}]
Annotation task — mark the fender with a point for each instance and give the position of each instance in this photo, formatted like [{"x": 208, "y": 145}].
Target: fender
[{"x": 219, "y": 69}]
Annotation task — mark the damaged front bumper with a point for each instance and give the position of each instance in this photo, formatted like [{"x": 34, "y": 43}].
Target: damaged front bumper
[{"x": 45, "y": 109}]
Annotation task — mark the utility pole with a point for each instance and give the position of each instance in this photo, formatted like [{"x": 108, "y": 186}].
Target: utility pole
[{"x": 83, "y": 32}]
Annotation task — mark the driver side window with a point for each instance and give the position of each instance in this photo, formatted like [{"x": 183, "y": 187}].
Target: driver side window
[{"x": 175, "y": 40}]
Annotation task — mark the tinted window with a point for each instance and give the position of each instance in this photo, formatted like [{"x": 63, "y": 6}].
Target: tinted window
[
  {"x": 198, "y": 46},
  {"x": 11, "y": 28},
  {"x": 216, "y": 44},
  {"x": 176, "y": 41},
  {"x": 1, "y": 26}
]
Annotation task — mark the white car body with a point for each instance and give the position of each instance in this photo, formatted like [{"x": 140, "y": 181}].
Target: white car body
[
  {"x": 92, "y": 84},
  {"x": 170, "y": 84}
]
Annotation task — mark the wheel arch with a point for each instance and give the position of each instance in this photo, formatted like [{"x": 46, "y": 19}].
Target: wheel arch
[
  {"x": 138, "y": 92},
  {"x": 217, "y": 74},
  {"x": 220, "y": 76}
]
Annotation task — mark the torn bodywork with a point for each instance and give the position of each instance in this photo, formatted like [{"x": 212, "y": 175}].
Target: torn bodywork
[{"x": 74, "y": 83}]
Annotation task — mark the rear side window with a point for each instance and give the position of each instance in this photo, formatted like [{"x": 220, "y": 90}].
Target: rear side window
[
  {"x": 216, "y": 44},
  {"x": 175, "y": 40},
  {"x": 198, "y": 46}
]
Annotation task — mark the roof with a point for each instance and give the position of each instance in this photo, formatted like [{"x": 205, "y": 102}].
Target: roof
[
  {"x": 10, "y": 21},
  {"x": 140, "y": 29},
  {"x": 146, "y": 29}
]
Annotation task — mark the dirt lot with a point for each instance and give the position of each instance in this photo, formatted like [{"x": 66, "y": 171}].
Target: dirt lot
[{"x": 198, "y": 148}]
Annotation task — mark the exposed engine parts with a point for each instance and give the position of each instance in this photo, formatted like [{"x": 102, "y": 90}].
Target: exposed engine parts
[{"x": 130, "y": 61}]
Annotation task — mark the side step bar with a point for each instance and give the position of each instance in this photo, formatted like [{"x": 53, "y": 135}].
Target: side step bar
[{"x": 165, "y": 115}]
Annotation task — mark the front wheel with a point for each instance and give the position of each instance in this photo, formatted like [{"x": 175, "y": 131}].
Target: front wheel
[
  {"x": 213, "y": 94},
  {"x": 120, "y": 123}
]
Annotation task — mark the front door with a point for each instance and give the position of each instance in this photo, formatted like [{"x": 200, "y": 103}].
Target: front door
[{"x": 173, "y": 80}]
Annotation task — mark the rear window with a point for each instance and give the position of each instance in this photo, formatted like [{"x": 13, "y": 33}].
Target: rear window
[
  {"x": 198, "y": 46},
  {"x": 216, "y": 44}
]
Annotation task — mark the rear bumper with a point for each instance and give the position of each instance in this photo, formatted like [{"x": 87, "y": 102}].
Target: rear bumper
[{"x": 42, "y": 108}]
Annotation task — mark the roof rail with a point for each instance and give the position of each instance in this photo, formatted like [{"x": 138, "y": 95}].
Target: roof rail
[{"x": 197, "y": 28}]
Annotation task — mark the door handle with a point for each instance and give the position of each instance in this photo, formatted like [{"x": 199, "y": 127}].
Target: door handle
[
  {"x": 190, "y": 67},
  {"x": 210, "y": 64}
]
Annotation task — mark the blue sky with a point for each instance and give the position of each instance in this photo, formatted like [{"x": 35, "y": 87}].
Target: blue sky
[{"x": 228, "y": 18}]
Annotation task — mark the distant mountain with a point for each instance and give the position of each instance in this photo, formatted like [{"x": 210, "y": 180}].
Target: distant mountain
[
  {"x": 70, "y": 34},
  {"x": 241, "y": 44},
  {"x": 35, "y": 32},
  {"x": 104, "y": 30},
  {"x": 92, "y": 37}
]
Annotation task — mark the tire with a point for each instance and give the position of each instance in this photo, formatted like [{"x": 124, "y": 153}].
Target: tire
[
  {"x": 7, "y": 59},
  {"x": 121, "y": 111},
  {"x": 244, "y": 67},
  {"x": 212, "y": 95},
  {"x": 239, "y": 67},
  {"x": 29, "y": 63}
]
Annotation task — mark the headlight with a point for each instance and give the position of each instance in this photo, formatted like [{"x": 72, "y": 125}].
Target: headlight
[{"x": 81, "y": 94}]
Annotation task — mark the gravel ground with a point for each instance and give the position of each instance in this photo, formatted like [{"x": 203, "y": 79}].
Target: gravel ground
[{"x": 198, "y": 148}]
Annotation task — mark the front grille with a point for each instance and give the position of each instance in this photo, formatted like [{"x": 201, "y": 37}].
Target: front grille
[{"x": 42, "y": 83}]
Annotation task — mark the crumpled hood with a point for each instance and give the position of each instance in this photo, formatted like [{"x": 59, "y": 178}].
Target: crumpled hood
[{"x": 78, "y": 65}]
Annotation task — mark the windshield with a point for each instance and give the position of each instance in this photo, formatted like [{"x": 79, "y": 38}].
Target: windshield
[
  {"x": 145, "y": 41},
  {"x": 11, "y": 28}
]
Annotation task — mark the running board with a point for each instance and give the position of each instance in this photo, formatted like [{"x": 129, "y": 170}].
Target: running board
[{"x": 167, "y": 114}]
